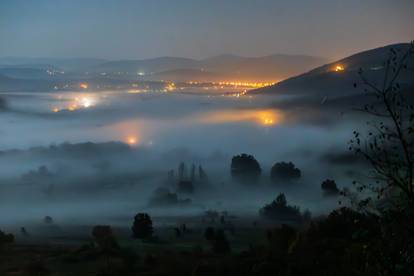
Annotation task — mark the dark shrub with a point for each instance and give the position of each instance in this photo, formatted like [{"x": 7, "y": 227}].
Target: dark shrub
[
  {"x": 329, "y": 187},
  {"x": 5, "y": 239},
  {"x": 347, "y": 224},
  {"x": 142, "y": 227},
  {"x": 278, "y": 209},
  {"x": 245, "y": 168},
  {"x": 104, "y": 237},
  {"x": 284, "y": 172}
]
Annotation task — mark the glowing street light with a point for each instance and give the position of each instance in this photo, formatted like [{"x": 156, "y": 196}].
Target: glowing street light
[
  {"x": 86, "y": 102},
  {"x": 339, "y": 68},
  {"x": 131, "y": 140},
  {"x": 84, "y": 85}
]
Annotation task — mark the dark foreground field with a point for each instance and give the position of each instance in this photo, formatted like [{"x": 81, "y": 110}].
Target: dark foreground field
[
  {"x": 51, "y": 249},
  {"x": 345, "y": 242}
]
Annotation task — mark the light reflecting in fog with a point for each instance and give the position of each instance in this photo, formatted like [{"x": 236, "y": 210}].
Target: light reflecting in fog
[
  {"x": 161, "y": 130},
  {"x": 73, "y": 102},
  {"x": 265, "y": 117},
  {"x": 163, "y": 120}
]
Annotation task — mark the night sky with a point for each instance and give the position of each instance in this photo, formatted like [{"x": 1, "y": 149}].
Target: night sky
[{"x": 126, "y": 29}]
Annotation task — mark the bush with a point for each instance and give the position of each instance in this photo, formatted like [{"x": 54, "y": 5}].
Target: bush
[
  {"x": 104, "y": 237},
  {"x": 5, "y": 239},
  {"x": 329, "y": 187},
  {"x": 142, "y": 227},
  {"x": 245, "y": 168},
  {"x": 278, "y": 209},
  {"x": 284, "y": 172}
]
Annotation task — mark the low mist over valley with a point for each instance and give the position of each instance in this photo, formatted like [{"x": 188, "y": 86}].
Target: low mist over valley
[{"x": 206, "y": 138}]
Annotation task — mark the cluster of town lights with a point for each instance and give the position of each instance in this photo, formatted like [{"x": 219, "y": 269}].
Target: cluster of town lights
[{"x": 79, "y": 103}]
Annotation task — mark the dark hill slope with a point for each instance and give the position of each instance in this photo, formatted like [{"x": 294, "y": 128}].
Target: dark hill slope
[{"x": 326, "y": 81}]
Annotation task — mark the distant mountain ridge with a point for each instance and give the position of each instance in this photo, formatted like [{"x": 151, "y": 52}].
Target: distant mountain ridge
[
  {"x": 226, "y": 67},
  {"x": 62, "y": 63},
  {"x": 230, "y": 67}
]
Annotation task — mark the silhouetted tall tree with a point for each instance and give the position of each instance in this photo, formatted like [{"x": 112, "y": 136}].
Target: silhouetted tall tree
[
  {"x": 182, "y": 172},
  {"x": 202, "y": 175},
  {"x": 193, "y": 173},
  {"x": 388, "y": 143}
]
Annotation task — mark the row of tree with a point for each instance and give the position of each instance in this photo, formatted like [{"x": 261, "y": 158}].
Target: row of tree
[{"x": 246, "y": 169}]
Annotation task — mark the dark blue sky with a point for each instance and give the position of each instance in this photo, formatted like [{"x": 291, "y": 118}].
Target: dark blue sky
[{"x": 200, "y": 28}]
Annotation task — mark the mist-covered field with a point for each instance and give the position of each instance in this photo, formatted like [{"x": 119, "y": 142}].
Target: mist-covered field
[{"x": 99, "y": 157}]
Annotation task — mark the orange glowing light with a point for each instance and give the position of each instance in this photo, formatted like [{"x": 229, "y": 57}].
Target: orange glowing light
[
  {"x": 55, "y": 110},
  {"x": 268, "y": 121},
  {"x": 86, "y": 102},
  {"x": 268, "y": 117},
  {"x": 339, "y": 68},
  {"x": 84, "y": 85},
  {"x": 132, "y": 140},
  {"x": 73, "y": 107},
  {"x": 264, "y": 117}
]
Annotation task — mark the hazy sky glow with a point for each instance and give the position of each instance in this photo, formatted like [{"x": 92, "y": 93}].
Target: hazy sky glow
[{"x": 200, "y": 28}]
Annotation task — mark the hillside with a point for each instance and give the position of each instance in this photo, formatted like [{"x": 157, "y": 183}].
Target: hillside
[
  {"x": 267, "y": 68},
  {"x": 331, "y": 80}
]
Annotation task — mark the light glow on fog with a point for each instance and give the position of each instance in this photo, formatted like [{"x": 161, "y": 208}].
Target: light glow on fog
[
  {"x": 76, "y": 103},
  {"x": 264, "y": 117}
]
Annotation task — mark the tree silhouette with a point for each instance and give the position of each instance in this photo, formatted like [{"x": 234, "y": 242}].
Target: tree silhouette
[
  {"x": 245, "y": 168},
  {"x": 284, "y": 172},
  {"x": 5, "y": 239},
  {"x": 388, "y": 144},
  {"x": 182, "y": 172},
  {"x": 105, "y": 238},
  {"x": 202, "y": 175},
  {"x": 193, "y": 173},
  {"x": 142, "y": 227},
  {"x": 329, "y": 187},
  {"x": 278, "y": 209}
]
